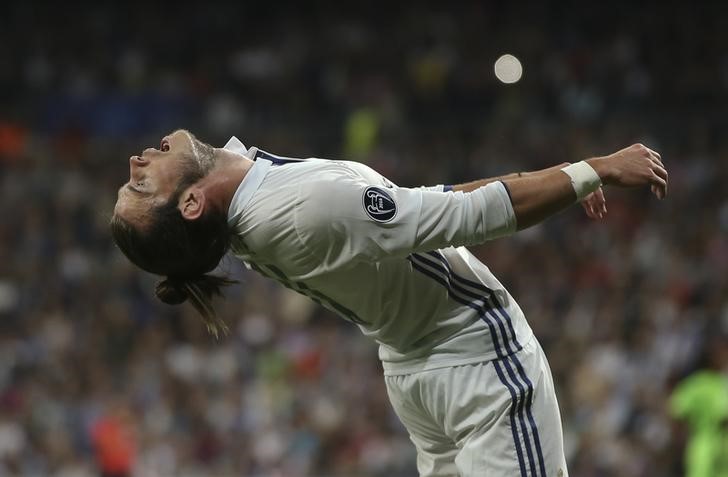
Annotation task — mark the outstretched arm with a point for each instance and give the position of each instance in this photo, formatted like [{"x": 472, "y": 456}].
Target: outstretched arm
[
  {"x": 535, "y": 198},
  {"x": 471, "y": 186},
  {"x": 355, "y": 218},
  {"x": 594, "y": 204}
]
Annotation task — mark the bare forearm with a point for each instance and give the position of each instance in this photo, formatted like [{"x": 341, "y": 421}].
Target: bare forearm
[
  {"x": 471, "y": 186},
  {"x": 537, "y": 197},
  {"x": 540, "y": 194}
]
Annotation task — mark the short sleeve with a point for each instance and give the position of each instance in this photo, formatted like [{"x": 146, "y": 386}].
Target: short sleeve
[{"x": 353, "y": 218}]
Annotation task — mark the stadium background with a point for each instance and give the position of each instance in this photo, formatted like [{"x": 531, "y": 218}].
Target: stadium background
[{"x": 91, "y": 364}]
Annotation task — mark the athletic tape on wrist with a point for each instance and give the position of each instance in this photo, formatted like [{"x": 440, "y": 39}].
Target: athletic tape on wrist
[{"x": 584, "y": 179}]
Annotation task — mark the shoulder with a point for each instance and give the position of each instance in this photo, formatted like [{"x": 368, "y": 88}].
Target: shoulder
[
  {"x": 333, "y": 201},
  {"x": 331, "y": 180},
  {"x": 324, "y": 194}
]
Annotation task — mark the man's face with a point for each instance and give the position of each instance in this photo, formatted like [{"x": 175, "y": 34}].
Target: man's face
[{"x": 155, "y": 175}]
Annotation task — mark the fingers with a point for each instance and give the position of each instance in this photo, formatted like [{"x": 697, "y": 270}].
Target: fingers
[
  {"x": 589, "y": 210},
  {"x": 595, "y": 205},
  {"x": 588, "y": 207},
  {"x": 658, "y": 169},
  {"x": 645, "y": 151},
  {"x": 659, "y": 172},
  {"x": 601, "y": 202},
  {"x": 659, "y": 185},
  {"x": 656, "y": 156}
]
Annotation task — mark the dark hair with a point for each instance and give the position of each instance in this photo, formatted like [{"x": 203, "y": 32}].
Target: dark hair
[{"x": 183, "y": 250}]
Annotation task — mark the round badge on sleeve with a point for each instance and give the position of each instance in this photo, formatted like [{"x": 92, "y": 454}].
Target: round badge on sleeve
[{"x": 378, "y": 204}]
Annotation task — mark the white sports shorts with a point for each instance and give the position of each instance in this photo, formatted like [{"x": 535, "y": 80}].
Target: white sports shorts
[{"x": 496, "y": 418}]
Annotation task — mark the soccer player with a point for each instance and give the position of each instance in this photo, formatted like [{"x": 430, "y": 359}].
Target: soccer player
[{"x": 463, "y": 370}]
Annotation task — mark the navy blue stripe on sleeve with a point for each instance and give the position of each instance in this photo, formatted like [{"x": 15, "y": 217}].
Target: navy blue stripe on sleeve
[{"x": 508, "y": 191}]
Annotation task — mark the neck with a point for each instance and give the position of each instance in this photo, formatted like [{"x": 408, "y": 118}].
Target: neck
[{"x": 223, "y": 180}]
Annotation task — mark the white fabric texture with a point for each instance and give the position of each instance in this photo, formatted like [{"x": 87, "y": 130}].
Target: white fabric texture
[
  {"x": 305, "y": 225},
  {"x": 460, "y": 418}
]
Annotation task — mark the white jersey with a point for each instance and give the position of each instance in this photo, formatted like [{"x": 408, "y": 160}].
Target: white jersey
[{"x": 389, "y": 259}]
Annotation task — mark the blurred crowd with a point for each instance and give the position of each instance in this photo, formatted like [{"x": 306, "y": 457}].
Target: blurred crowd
[{"x": 98, "y": 378}]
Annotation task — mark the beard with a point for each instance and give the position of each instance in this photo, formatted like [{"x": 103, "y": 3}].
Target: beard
[
  {"x": 194, "y": 168},
  {"x": 196, "y": 165},
  {"x": 204, "y": 156}
]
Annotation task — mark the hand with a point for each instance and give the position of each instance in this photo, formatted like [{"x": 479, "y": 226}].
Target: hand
[
  {"x": 634, "y": 166},
  {"x": 595, "y": 204}
]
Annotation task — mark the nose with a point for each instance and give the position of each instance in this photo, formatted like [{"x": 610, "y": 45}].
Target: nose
[{"x": 138, "y": 161}]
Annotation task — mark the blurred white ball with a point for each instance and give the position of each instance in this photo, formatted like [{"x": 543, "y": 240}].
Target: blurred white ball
[{"x": 508, "y": 69}]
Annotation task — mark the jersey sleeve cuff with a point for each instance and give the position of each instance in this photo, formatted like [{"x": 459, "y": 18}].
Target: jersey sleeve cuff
[{"x": 508, "y": 191}]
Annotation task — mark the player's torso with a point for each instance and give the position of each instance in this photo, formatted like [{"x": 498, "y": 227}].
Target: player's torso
[{"x": 427, "y": 310}]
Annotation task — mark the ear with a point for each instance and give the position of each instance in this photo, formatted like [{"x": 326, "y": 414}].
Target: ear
[{"x": 192, "y": 203}]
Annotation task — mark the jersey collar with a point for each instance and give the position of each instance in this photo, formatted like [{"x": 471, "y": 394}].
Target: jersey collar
[{"x": 250, "y": 183}]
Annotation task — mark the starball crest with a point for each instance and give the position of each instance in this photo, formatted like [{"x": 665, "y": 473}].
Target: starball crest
[{"x": 378, "y": 204}]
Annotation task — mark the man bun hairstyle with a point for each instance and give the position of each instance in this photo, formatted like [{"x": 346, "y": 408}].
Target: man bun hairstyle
[
  {"x": 184, "y": 251},
  {"x": 171, "y": 291},
  {"x": 199, "y": 291}
]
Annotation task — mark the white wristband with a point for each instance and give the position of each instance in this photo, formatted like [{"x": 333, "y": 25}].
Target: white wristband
[{"x": 584, "y": 179}]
